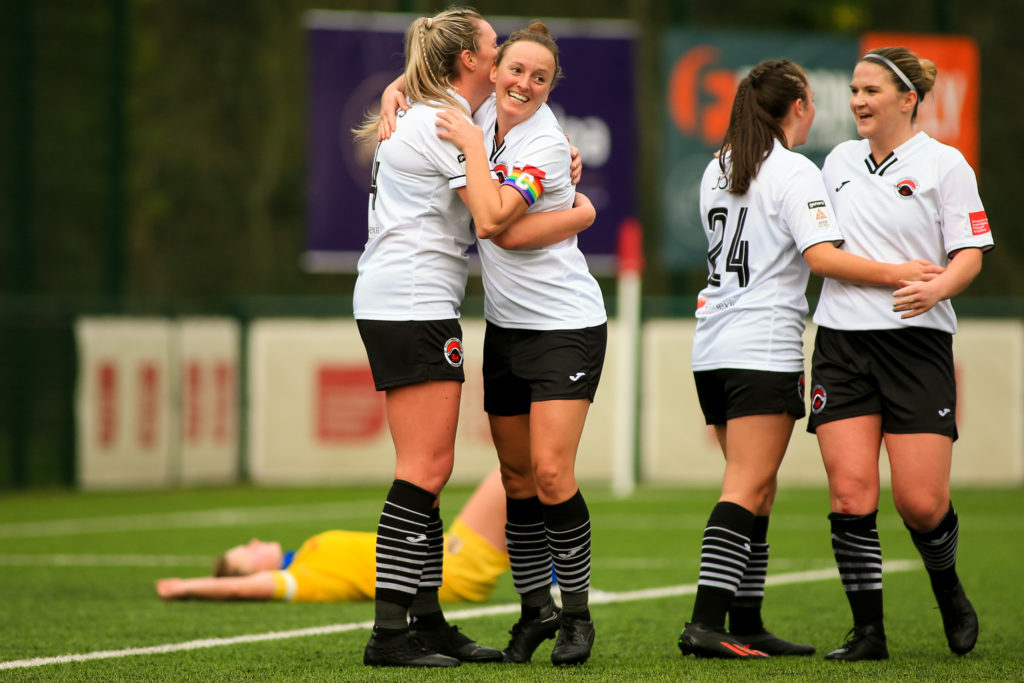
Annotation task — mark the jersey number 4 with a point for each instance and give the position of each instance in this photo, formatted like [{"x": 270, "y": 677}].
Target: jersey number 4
[
  {"x": 373, "y": 179},
  {"x": 736, "y": 259}
]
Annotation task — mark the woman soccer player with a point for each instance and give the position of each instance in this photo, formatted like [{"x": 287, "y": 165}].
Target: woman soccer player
[
  {"x": 340, "y": 566},
  {"x": 769, "y": 222},
  {"x": 883, "y": 361},
  {"x": 544, "y": 345},
  {"x": 412, "y": 278}
]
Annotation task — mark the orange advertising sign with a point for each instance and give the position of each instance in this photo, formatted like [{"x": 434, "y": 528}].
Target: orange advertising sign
[{"x": 950, "y": 111}]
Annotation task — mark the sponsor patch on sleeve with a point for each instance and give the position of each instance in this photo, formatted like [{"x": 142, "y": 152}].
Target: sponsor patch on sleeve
[
  {"x": 979, "y": 222},
  {"x": 819, "y": 215}
]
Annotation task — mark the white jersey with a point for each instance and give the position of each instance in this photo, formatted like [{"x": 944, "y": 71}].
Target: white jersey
[
  {"x": 414, "y": 265},
  {"x": 751, "y": 316},
  {"x": 920, "y": 202},
  {"x": 536, "y": 289}
]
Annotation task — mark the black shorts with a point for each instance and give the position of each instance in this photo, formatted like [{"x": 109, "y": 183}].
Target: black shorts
[
  {"x": 412, "y": 351},
  {"x": 729, "y": 393},
  {"x": 906, "y": 375},
  {"x": 524, "y": 366}
]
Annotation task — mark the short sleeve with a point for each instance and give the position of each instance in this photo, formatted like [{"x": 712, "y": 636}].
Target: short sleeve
[
  {"x": 442, "y": 155},
  {"x": 964, "y": 222},
  {"x": 807, "y": 211},
  {"x": 542, "y": 163}
]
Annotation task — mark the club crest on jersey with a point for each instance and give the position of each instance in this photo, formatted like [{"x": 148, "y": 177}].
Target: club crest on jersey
[
  {"x": 453, "y": 352},
  {"x": 801, "y": 386},
  {"x": 907, "y": 187},
  {"x": 818, "y": 399}
]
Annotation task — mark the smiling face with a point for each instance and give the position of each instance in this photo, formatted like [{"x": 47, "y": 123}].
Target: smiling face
[
  {"x": 255, "y": 556},
  {"x": 522, "y": 81},
  {"x": 883, "y": 112}
]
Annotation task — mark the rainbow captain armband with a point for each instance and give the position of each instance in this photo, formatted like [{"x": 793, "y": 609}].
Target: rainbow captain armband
[{"x": 527, "y": 180}]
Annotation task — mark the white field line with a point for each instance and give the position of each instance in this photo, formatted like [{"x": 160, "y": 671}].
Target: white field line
[
  {"x": 86, "y": 560},
  {"x": 128, "y": 560},
  {"x": 596, "y": 597},
  {"x": 188, "y": 520},
  {"x": 336, "y": 512}
]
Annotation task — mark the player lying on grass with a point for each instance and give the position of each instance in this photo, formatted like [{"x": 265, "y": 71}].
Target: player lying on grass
[{"x": 340, "y": 566}]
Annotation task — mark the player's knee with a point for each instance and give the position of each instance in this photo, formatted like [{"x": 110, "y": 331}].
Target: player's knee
[
  {"x": 853, "y": 495},
  {"x": 553, "y": 482},
  {"x": 922, "y": 510}
]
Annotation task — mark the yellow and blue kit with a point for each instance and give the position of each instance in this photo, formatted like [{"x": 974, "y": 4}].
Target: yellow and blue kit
[{"x": 340, "y": 566}]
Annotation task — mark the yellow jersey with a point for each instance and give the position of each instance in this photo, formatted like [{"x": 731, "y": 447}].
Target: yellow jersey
[{"x": 340, "y": 566}]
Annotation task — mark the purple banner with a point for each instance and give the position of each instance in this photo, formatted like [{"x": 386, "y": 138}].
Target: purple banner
[{"x": 353, "y": 56}]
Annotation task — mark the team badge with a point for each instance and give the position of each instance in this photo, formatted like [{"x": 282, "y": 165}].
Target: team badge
[
  {"x": 907, "y": 187},
  {"x": 818, "y": 399},
  {"x": 801, "y": 386},
  {"x": 453, "y": 352}
]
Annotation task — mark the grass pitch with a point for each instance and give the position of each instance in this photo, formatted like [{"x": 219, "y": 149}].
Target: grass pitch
[{"x": 77, "y": 600}]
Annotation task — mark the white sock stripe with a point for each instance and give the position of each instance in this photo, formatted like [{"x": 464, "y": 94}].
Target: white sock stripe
[
  {"x": 859, "y": 576},
  {"x": 529, "y": 574},
  {"x": 858, "y": 587},
  {"x": 850, "y": 537},
  {"x": 392, "y": 504},
  {"x": 573, "y": 542},
  {"x": 400, "y": 565},
  {"x": 398, "y": 579},
  {"x": 860, "y": 552},
  {"x": 847, "y": 564},
  {"x": 738, "y": 553},
  {"x": 401, "y": 531},
  {"x": 726, "y": 544},
  {"x": 583, "y": 527},
  {"x": 725, "y": 532},
  {"x": 732, "y": 579},
  {"x": 527, "y": 561},
  {"x": 400, "y": 549},
  {"x": 571, "y": 568},
  {"x": 731, "y": 559},
  {"x": 401, "y": 588}
]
